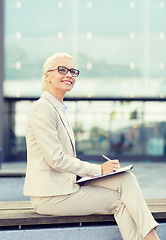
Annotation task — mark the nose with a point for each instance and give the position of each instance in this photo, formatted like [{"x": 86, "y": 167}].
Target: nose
[{"x": 68, "y": 74}]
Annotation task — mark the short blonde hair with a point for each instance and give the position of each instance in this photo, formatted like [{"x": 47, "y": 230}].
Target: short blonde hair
[{"x": 48, "y": 65}]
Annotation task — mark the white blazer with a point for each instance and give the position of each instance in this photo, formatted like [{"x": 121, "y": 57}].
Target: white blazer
[{"x": 52, "y": 164}]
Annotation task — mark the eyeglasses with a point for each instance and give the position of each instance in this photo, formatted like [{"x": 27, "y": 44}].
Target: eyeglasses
[{"x": 64, "y": 70}]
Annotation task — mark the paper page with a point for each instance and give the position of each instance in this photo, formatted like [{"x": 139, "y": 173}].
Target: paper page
[{"x": 85, "y": 179}]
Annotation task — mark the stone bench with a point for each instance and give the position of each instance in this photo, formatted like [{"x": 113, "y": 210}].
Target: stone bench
[
  {"x": 21, "y": 214},
  {"x": 19, "y": 221}
]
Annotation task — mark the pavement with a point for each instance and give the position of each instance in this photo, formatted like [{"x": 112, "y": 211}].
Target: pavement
[{"x": 150, "y": 175}]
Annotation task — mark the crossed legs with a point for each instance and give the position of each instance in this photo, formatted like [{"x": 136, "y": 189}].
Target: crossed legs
[
  {"x": 134, "y": 211},
  {"x": 119, "y": 194}
]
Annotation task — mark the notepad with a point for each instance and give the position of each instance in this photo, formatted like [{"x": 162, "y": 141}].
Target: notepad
[{"x": 120, "y": 170}]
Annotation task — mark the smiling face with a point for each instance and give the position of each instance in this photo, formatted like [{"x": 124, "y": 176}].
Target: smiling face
[{"x": 57, "y": 83}]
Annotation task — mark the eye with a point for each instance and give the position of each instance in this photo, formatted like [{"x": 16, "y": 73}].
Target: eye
[
  {"x": 73, "y": 71},
  {"x": 63, "y": 70}
]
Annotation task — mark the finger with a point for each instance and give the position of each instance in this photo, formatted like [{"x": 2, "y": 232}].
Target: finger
[
  {"x": 115, "y": 169},
  {"x": 115, "y": 164},
  {"x": 115, "y": 161}
]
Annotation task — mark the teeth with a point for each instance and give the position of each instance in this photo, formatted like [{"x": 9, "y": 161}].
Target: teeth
[{"x": 68, "y": 82}]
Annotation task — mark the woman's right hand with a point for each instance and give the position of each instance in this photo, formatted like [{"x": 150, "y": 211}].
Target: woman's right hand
[{"x": 110, "y": 166}]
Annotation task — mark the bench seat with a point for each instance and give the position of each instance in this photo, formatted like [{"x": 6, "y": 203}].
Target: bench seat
[{"x": 21, "y": 214}]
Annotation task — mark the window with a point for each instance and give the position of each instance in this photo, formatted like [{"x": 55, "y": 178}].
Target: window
[{"x": 119, "y": 47}]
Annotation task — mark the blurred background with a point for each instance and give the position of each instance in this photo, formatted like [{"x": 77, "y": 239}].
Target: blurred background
[{"x": 118, "y": 105}]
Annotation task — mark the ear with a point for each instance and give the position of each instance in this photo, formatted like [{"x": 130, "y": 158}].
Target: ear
[{"x": 46, "y": 75}]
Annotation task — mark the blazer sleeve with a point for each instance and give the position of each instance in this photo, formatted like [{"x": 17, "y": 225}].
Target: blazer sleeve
[{"x": 42, "y": 134}]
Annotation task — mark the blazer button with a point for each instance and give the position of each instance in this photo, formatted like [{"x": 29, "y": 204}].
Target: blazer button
[{"x": 90, "y": 175}]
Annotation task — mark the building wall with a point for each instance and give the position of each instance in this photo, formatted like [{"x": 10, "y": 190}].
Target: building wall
[
  {"x": 120, "y": 49},
  {"x": 1, "y": 80}
]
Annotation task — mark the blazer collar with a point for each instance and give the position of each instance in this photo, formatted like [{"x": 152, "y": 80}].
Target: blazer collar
[{"x": 61, "y": 114}]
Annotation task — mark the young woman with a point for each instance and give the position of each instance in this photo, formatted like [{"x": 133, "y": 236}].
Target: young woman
[{"x": 52, "y": 164}]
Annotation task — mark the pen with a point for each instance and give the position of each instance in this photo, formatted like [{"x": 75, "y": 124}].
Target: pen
[{"x": 106, "y": 158}]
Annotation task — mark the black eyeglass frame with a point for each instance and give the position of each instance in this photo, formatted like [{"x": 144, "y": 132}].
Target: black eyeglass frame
[{"x": 57, "y": 68}]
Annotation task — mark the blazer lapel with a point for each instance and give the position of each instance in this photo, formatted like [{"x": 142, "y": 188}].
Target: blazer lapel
[
  {"x": 66, "y": 125},
  {"x": 62, "y": 116}
]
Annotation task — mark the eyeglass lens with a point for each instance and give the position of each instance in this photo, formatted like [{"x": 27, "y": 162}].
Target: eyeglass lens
[{"x": 64, "y": 70}]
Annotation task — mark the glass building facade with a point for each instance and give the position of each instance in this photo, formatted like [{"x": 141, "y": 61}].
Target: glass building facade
[{"x": 117, "y": 106}]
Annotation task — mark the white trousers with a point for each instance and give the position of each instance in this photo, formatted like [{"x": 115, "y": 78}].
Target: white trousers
[{"x": 119, "y": 194}]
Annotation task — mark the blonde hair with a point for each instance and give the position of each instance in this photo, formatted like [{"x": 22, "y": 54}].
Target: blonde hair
[{"x": 48, "y": 65}]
